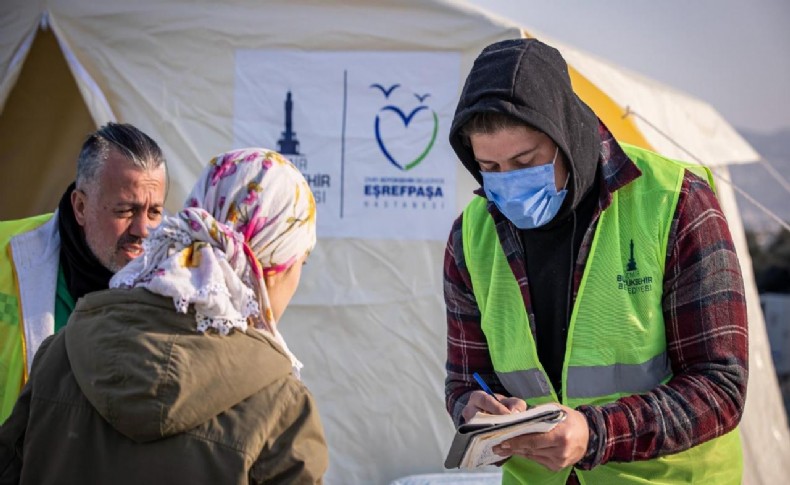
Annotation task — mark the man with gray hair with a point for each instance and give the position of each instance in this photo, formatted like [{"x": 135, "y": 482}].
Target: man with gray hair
[{"x": 48, "y": 262}]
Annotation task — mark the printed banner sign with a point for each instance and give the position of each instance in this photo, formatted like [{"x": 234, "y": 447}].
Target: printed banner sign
[{"x": 367, "y": 129}]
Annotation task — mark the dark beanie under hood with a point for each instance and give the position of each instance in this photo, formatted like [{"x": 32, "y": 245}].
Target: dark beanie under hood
[{"x": 529, "y": 80}]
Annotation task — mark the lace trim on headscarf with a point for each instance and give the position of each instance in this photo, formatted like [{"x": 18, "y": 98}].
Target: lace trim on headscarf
[{"x": 209, "y": 287}]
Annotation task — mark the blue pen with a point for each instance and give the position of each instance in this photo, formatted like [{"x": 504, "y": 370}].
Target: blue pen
[{"x": 485, "y": 387}]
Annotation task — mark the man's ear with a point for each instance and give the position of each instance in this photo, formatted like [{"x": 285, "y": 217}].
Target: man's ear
[{"x": 78, "y": 203}]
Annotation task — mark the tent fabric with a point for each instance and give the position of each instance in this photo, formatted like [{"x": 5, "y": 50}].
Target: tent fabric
[
  {"x": 46, "y": 106},
  {"x": 689, "y": 127},
  {"x": 368, "y": 319}
]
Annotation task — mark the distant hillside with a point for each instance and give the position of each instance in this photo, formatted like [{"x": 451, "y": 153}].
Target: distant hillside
[{"x": 761, "y": 184}]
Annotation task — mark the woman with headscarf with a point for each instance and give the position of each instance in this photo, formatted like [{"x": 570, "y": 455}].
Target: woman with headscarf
[{"x": 178, "y": 373}]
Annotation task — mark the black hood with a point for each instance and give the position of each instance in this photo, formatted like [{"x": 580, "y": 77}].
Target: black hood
[{"x": 529, "y": 80}]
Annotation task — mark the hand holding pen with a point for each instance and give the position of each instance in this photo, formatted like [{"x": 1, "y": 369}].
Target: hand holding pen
[
  {"x": 480, "y": 402},
  {"x": 485, "y": 387}
]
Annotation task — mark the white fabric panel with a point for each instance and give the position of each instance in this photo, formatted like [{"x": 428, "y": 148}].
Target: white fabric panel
[
  {"x": 368, "y": 323},
  {"x": 367, "y": 128}
]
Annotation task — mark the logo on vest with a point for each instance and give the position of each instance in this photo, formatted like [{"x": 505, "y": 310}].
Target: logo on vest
[{"x": 631, "y": 281}]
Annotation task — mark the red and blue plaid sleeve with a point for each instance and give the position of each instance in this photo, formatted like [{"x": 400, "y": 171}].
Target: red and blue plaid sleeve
[{"x": 704, "y": 309}]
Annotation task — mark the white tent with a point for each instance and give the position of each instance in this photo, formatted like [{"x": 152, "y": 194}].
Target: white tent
[{"x": 202, "y": 77}]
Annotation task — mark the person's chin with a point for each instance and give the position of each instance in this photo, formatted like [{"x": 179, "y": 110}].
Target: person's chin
[
  {"x": 127, "y": 258},
  {"x": 122, "y": 259},
  {"x": 130, "y": 251}
]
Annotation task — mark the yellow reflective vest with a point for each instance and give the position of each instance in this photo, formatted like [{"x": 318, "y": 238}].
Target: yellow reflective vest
[
  {"x": 29, "y": 257},
  {"x": 616, "y": 344}
]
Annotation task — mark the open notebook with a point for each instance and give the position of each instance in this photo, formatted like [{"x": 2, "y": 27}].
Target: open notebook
[{"x": 474, "y": 440}]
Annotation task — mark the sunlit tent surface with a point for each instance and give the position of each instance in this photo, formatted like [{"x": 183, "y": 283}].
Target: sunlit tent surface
[{"x": 368, "y": 321}]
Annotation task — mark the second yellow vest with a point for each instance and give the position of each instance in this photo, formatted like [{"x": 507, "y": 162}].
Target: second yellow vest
[{"x": 616, "y": 339}]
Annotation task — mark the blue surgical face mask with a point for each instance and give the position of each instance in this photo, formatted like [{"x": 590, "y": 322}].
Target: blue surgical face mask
[{"x": 528, "y": 197}]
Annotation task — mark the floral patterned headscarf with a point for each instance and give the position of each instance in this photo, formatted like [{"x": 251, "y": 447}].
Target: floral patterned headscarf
[{"x": 250, "y": 214}]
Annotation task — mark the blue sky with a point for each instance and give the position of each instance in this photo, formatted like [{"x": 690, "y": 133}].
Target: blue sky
[{"x": 732, "y": 54}]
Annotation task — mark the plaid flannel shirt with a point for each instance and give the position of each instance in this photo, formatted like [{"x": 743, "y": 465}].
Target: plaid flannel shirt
[{"x": 704, "y": 311}]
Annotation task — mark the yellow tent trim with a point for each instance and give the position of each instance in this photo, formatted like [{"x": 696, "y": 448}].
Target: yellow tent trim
[{"x": 623, "y": 128}]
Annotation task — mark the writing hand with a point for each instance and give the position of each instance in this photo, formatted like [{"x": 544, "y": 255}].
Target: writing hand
[{"x": 480, "y": 401}]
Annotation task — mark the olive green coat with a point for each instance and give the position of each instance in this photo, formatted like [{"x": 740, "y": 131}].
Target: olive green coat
[{"x": 129, "y": 393}]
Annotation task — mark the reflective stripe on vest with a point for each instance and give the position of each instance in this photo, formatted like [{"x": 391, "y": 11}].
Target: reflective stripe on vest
[
  {"x": 624, "y": 276},
  {"x": 591, "y": 381}
]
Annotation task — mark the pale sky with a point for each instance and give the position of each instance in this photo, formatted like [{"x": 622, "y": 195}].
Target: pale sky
[{"x": 733, "y": 54}]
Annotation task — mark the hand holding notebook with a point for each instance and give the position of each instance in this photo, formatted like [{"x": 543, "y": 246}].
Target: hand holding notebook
[{"x": 474, "y": 440}]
